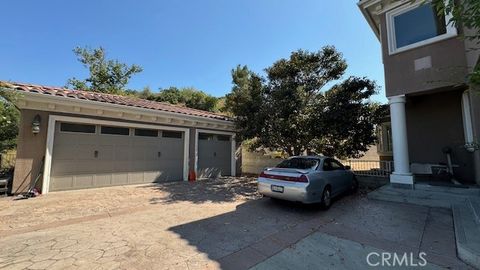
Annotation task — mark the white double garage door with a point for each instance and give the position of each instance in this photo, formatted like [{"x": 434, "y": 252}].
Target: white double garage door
[{"x": 93, "y": 155}]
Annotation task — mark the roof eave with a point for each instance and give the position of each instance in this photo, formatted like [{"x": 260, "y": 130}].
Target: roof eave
[
  {"x": 28, "y": 98},
  {"x": 363, "y": 6}
]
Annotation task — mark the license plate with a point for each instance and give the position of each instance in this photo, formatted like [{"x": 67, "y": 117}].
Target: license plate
[{"x": 277, "y": 188}]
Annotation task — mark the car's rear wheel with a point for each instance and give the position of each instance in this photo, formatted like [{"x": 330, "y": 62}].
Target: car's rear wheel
[{"x": 326, "y": 198}]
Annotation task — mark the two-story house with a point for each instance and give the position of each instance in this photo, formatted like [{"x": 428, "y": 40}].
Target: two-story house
[{"x": 434, "y": 111}]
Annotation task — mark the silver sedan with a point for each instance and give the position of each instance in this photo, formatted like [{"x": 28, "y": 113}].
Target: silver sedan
[{"x": 307, "y": 179}]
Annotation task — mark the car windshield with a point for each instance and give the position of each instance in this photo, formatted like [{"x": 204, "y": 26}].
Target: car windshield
[{"x": 299, "y": 163}]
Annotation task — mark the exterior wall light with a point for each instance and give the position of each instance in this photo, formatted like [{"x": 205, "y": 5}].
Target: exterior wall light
[{"x": 36, "y": 124}]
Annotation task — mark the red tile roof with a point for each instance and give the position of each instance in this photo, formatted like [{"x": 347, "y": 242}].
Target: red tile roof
[{"x": 109, "y": 98}]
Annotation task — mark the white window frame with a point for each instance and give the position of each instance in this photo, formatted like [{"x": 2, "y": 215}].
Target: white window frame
[
  {"x": 47, "y": 166},
  {"x": 392, "y": 42},
  {"x": 72, "y": 132},
  {"x": 233, "y": 160}
]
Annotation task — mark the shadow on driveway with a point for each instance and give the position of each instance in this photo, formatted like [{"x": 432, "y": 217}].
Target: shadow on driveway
[
  {"x": 224, "y": 189},
  {"x": 252, "y": 221},
  {"x": 258, "y": 229}
]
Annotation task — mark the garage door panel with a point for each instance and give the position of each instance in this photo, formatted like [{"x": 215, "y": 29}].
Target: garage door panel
[
  {"x": 105, "y": 152},
  {"x": 214, "y": 157},
  {"x": 107, "y": 139},
  {"x": 65, "y": 152},
  {"x": 119, "y": 179},
  {"x": 151, "y": 153},
  {"x": 137, "y": 153},
  {"x": 103, "y": 180},
  {"x": 121, "y": 153},
  {"x": 83, "y": 181},
  {"x": 152, "y": 176},
  {"x": 104, "y": 166},
  {"x": 63, "y": 167},
  {"x": 135, "y": 177},
  {"x": 121, "y": 166},
  {"x": 85, "y": 152},
  {"x": 82, "y": 160},
  {"x": 152, "y": 165},
  {"x": 61, "y": 182}
]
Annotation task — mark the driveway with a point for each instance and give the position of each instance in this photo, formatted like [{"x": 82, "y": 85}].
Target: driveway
[{"x": 212, "y": 224}]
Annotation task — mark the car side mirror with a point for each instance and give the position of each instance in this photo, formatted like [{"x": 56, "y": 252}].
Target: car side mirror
[{"x": 348, "y": 167}]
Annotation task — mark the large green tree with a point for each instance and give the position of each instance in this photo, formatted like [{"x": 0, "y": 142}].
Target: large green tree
[
  {"x": 105, "y": 75},
  {"x": 245, "y": 102},
  {"x": 9, "y": 119},
  {"x": 289, "y": 110},
  {"x": 346, "y": 118}
]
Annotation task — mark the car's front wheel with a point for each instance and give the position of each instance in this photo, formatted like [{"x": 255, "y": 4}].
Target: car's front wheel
[{"x": 326, "y": 198}]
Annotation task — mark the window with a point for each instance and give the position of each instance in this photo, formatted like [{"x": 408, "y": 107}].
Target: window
[
  {"x": 115, "y": 130},
  {"x": 205, "y": 136},
  {"x": 146, "y": 132},
  {"x": 299, "y": 163},
  {"x": 332, "y": 165},
  {"x": 80, "y": 128},
  {"x": 172, "y": 134},
  {"x": 224, "y": 138},
  {"x": 417, "y": 25}
]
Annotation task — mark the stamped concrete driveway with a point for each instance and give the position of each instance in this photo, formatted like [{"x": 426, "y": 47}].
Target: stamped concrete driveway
[{"x": 211, "y": 224}]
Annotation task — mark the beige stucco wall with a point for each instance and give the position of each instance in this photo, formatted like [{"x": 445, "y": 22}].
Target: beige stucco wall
[
  {"x": 30, "y": 151},
  {"x": 435, "y": 121},
  {"x": 449, "y": 65},
  {"x": 255, "y": 163}
]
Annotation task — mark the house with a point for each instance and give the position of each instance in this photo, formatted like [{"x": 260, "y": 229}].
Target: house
[
  {"x": 435, "y": 113},
  {"x": 83, "y": 139}
]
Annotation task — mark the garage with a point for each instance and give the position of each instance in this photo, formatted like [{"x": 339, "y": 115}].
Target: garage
[
  {"x": 215, "y": 154},
  {"x": 73, "y": 139},
  {"x": 96, "y": 155}
]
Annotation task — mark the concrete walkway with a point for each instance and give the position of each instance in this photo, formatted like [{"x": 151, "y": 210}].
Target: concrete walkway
[
  {"x": 322, "y": 251},
  {"x": 464, "y": 203}
]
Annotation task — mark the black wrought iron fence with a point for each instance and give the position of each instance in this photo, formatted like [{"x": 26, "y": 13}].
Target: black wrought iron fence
[{"x": 378, "y": 168}]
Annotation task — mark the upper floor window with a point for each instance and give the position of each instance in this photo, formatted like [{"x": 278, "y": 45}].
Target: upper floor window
[{"x": 412, "y": 26}]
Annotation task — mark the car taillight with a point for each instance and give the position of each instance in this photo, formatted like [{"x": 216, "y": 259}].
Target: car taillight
[{"x": 302, "y": 178}]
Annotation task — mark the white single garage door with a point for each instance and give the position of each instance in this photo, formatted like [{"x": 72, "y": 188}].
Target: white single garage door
[
  {"x": 214, "y": 155},
  {"x": 88, "y": 156}
]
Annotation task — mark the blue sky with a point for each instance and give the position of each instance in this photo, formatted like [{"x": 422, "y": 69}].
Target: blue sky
[{"x": 179, "y": 43}]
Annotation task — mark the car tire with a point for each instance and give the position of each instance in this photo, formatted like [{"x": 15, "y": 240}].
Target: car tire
[
  {"x": 354, "y": 187},
  {"x": 326, "y": 198}
]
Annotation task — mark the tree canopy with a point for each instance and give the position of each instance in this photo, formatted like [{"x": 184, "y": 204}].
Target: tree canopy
[
  {"x": 9, "y": 119},
  {"x": 289, "y": 110},
  {"x": 106, "y": 75},
  {"x": 188, "y": 97},
  {"x": 112, "y": 76}
]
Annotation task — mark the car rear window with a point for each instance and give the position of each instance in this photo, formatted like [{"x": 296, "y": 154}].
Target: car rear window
[{"x": 299, "y": 163}]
